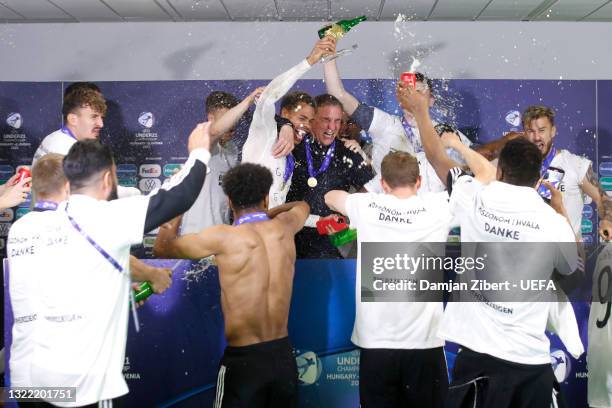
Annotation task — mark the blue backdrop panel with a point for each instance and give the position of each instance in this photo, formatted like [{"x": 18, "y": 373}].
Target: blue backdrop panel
[{"x": 173, "y": 360}]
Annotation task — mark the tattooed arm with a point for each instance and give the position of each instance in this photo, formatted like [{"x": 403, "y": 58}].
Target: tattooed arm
[{"x": 591, "y": 187}]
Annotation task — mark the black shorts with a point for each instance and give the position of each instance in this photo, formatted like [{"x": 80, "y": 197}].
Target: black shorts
[
  {"x": 402, "y": 378},
  {"x": 258, "y": 375},
  {"x": 481, "y": 380}
]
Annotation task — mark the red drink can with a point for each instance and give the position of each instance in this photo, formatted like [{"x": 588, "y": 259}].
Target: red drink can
[
  {"x": 408, "y": 78},
  {"x": 22, "y": 174}
]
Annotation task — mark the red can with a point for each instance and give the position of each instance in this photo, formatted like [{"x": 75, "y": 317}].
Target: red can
[
  {"x": 22, "y": 173},
  {"x": 408, "y": 78}
]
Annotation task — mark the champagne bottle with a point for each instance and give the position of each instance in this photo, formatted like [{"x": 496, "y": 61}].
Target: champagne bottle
[
  {"x": 144, "y": 291},
  {"x": 343, "y": 237},
  {"x": 338, "y": 29}
]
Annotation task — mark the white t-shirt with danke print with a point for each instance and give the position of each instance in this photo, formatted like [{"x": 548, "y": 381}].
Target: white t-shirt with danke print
[
  {"x": 501, "y": 212},
  {"x": 397, "y": 325}
]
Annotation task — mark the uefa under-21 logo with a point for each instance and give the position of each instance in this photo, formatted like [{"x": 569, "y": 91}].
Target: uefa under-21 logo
[
  {"x": 513, "y": 118},
  {"x": 146, "y": 119},
  {"x": 561, "y": 365},
  {"x": 14, "y": 120},
  {"x": 309, "y": 367}
]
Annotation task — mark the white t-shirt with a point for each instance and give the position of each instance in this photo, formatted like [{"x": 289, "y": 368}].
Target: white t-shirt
[
  {"x": 599, "y": 354},
  {"x": 23, "y": 284},
  {"x": 60, "y": 143},
  {"x": 212, "y": 206},
  {"x": 263, "y": 132},
  {"x": 397, "y": 325},
  {"x": 78, "y": 339},
  {"x": 388, "y": 135},
  {"x": 56, "y": 142},
  {"x": 500, "y": 212},
  {"x": 575, "y": 168}
]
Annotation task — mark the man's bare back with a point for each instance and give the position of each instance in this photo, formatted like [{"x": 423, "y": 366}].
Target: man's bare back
[
  {"x": 256, "y": 266},
  {"x": 256, "y": 263}
]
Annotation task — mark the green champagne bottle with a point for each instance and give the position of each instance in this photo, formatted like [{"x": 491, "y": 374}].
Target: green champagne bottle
[
  {"x": 144, "y": 291},
  {"x": 338, "y": 29},
  {"x": 343, "y": 237}
]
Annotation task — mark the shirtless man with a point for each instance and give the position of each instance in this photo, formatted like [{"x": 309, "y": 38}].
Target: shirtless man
[{"x": 256, "y": 259}]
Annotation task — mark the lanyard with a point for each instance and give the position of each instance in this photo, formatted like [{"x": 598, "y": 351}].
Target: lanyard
[
  {"x": 289, "y": 167},
  {"x": 410, "y": 134},
  {"x": 68, "y": 132},
  {"x": 45, "y": 205},
  {"x": 326, "y": 161},
  {"x": 110, "y": 259},
  {"x": 252, "y": 217},
  {"x": 548, "y": 160}
]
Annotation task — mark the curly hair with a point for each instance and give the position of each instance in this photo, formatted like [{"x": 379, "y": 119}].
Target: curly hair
[
  {"x": 247, "y": 185},
  {"x": 81, "y": 98}
]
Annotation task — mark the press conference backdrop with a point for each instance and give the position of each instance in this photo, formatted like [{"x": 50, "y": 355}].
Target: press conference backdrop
[{"x": 173, "y": 360}]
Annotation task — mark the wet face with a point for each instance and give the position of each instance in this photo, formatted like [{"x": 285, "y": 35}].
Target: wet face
[
  {"x": 215, "y": 115},
  {"x": 349, "y": 129},
  {"x": 301, "y": 117},
  {"x": 86, "y": 123},
  {"x": 326, "y": 124},
  {"x": 541, "y": 133},
  {"x": 423, "y": 88}
]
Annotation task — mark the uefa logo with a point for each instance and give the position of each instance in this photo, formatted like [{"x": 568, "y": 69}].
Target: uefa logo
[
  {"x": 309, "y": 367},
  {"x": 146, "y": 119},
  {"x": 513, "y": 118},
  {"x": 561, "y": 365},
  {"x": 14, "y": 120},
  {"x": 146, "y": 185}
]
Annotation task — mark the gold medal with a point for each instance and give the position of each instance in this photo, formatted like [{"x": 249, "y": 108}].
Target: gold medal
[{"x": 312, "y": 182}]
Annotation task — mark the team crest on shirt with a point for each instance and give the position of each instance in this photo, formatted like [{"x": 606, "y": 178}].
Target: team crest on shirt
[
  {"x": 14, "y": 120},
  {"x": 146, "y": 119},
  {"x": 561, "y": 365}
]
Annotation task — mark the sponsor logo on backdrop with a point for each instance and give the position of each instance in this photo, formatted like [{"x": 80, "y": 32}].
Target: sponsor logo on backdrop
[
  {"x": 148, "y": 241},
  {"x": 171, "y": 168},
  {"x": 4, "y": 228},
  {"x": 128, "y": 181},
  {"x": 309, "y": 367},
  {"x": 14, "y": 120},
  {"x": 605, "y": 168},
  {"x": 146, "y": 185},
  {"x": 587, "y": 199},
  {"x": 6, "y": 171},
  {"x": 587, "y": 212},
  {"x": 587, "y": 239},
  {"x": 561, "y": 365},
  {"x": 606, "y": 183},
  {"x": 146, "y": 119},
  {"x": 7, "y": 215},
  {"x": 150, "y": 170},
  {"x": 587, "y": 226},
  {"x": 127, "y": 170},
  {"x": 21, "y": 212},
  {"x": 513, "y": 118}
]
